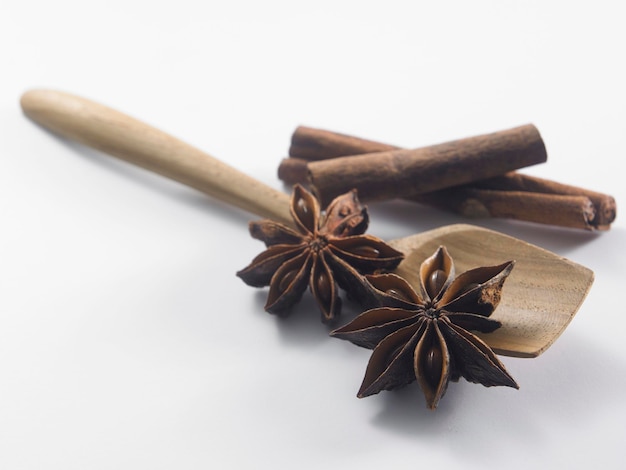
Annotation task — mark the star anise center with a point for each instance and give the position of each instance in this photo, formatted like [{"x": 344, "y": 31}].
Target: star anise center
[
  {"x": 432, "y": 312},
  {"x": 317, "y": 243}
]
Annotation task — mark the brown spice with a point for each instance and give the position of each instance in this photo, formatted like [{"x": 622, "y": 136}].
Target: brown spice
[
  {"x": 511, "y": 195},
  {"x": 311, "y": 144},
  {"x": 604, "y": 206},
  {"x": 325, "y": 251},
  {"x": 404, "y": 173},
  {"x": 554, "y": 209},
  {"x": 426, "y": 336}
]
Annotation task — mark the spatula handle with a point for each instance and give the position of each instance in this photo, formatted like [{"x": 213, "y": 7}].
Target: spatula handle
[{"x": 115, "y": 133}]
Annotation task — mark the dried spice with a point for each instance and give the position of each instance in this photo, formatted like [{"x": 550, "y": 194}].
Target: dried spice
[
  {"x": 426, "y": 336},
  {"x": 325, "y": 251},
  {"x": 511, "y": 195}
]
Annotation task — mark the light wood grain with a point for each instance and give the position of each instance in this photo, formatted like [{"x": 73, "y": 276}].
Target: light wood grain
[
  {"x": 539, "y": 300},
  {"x": 120, "y": 135}
]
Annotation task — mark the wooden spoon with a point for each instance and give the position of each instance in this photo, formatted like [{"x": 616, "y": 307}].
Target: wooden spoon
[{"x": 539, "y": 299}]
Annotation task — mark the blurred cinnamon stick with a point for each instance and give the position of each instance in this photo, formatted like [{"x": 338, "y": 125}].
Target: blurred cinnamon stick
[
  {"x": 511, "y": 195},
  {"x": 554, "y": 209},
  {"x": 312, "y": 144}
]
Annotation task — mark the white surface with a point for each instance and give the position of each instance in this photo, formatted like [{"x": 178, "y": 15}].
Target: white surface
[{"x": 126, "y": 341}]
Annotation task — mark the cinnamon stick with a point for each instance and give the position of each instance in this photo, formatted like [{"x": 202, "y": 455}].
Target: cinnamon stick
[
  {"x": 553, "y": 209},
  {"x": 566, "y": 209},
  {"x": 311, "y": 144},
  {"x": 293, "y": 170},
  {"x": 604, "y": 205},
  {"x": 404, "y": 173},
  {"x": 512, "y": 195}
]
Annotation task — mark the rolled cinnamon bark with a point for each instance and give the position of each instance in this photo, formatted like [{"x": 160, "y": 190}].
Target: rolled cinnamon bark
[
  {"x": 512, "y": 195},
  {"x": 605, "y": 207},
  {"x": 404, "y": 173},
  {"x": 293, "y": 170},
  {"x": 566, "y": 209},
  {"x": 311, "y": 144},
  {"x": 553, "y": 209}
]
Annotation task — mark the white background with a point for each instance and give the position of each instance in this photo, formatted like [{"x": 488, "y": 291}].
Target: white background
[{"x": 127, "y": 341}]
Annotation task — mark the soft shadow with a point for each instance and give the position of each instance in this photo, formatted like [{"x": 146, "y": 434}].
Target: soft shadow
[
  {"x": 404, "y": 411},
  {"x": 303, "y": 326},
  {"x": 578, "y": 372},
  {"x": 156, "y": 183},
  {"x": 557, "y": 239},
  {"x": 408, "y": 218},
  {"x": 566, "y": 386}
]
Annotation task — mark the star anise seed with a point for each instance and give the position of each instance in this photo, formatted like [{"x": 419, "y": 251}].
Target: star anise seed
[
  {"x": 324, "y": 251},
  {"x": 426, "y": 336}
]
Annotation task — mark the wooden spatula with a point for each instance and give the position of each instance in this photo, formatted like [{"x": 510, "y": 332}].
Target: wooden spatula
[{"x": 539, "y": 299}]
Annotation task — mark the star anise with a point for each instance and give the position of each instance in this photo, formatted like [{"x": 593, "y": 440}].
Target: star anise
[
  {"x": 426, "y": 336},
  {"x": 324, "y": 251}
]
